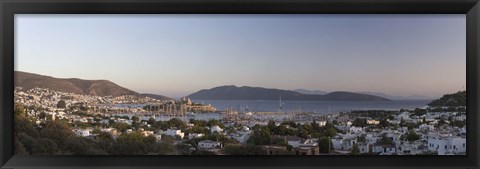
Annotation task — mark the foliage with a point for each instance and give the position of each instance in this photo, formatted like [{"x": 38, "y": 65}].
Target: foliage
[
  {"x": 61, "y": 104},
  {"x": 454, "y": 99},
  {"x": 412, "y": 136},
  {"x": 355, "y": 150}
]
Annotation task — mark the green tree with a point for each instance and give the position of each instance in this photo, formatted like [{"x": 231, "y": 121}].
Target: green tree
[
  {"x": 412, "y": 136},
  {"x": 355, "y": 150},
  {"x": 58, "y": 131},
  {"x": 385, "y": 140},
  {"x": 331, "y": 132},
  {"x": 260, "y": 136},
  {"x": 324, "y": 144},
  {"x": 151, "y": 121},
  {"x": 214, "y": 122},
  {"x": 359, "y": 122},
  {"x": 122, "y": 127},
  {"x": 177, "y": 123},
  {"x": 61, "y": 104}
]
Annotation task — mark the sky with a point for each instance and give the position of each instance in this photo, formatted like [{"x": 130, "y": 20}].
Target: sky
[{"x": 176, "y": 55}]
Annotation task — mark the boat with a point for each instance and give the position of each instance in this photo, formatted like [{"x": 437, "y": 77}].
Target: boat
[{"x": 191, "y": 114}]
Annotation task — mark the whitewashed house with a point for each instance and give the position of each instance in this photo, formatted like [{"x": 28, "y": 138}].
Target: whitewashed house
[
  {"x": 384, "y": 149},
  {"x": 344, "y": 144},
  {"x": 209, "y": 144},
  {"x": 305, "y": 143},
  {"x": 321, "y": 123},
  {"x": 364, "y": 148},
  {"x": 356, "y": 129},
  {"x": 447, "y": 144},
  {"x": 195, "y": 135},
  {"x": 373, "y": 122},
  {"x": 216, "y": 129},
  {"x": 83, "y": 132},
  {"x": 174, "y": 132}
]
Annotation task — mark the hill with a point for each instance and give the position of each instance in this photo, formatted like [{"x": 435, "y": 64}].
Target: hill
[
  {"x": 391, "y": 97},
  {"x": 73, "y": 85},
  {"x": 306, "y": 91},
  {"x": 454, "y": 99},
  {"x": 258, "y": 93}
]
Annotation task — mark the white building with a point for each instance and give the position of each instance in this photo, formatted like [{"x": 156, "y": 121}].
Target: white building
[
  {"x": 195, "y": 135},
  {"x": 83, "y": 132},
  {"x": 426, "y": 127},
  {"x": 384, "y": 149},
  {"x": 345, "y": 144},
  {"x": 364, "y": 148},
  {"x": 242, "y": 137},
  {"x": 447, "y": 144},
  {"x": 216, "y": 129},
  {"x": 371, "y": 139},
  {"x": 321, "y": 123},
  {"x": 174, "y": 132},
  {"x": 356, "y": 129},
  {"x": 373, "y": 122},
  {"x": 306, "y": 143},
  {"x": 209, "y": 144}
]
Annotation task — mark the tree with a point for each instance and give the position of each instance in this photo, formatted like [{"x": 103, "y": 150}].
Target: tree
[
  {"x": 385, "y": 140},
  {"x": 61, "y": 104},
  {"x": 331, "y": 132},
  {"x": 441, "y": 123},
  {"x": 58, "y": 131},
  {"x": 355, "y": 150},
  {"x": 131, "y": 144},
  {"x": 135, "y": 119},
  {"x": 412, "y": 136},
  {"x": 19, "y": 148},
  {"x": 361, "y": 138},
  {"x": 384, "y": 123},
  {"x": 122, "y": 127},
  {"x": 271, "y": 125},
  {"x": 151, "y": 121},
  {"x": 260, "y": 136},
  {"x": 214, "y": 122},
  {"x": 359, "y": 122},
  {"x": 324, "y": 144},
  {"x": 177, "y": 123}
]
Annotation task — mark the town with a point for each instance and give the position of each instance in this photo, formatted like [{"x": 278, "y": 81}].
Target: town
[{"x": 52, "y": 122}]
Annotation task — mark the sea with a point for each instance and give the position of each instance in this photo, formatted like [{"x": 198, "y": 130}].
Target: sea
[
  {"x": 320, "y": 107},
  {"x": 313, "y": 106}
]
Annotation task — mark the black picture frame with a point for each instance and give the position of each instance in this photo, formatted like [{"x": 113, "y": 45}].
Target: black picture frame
[{"x": 9, "y": 8}]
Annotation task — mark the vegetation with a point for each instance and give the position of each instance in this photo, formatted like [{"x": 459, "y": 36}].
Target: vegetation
[
  {"x": 454, "y": 100},
  {"x": 355, "y": 150}
]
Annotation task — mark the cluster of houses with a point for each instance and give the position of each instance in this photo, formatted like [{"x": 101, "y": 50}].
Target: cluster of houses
[{"x": 432, "y": 139}]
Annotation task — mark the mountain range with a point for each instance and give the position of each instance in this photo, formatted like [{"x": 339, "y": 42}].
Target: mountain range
[
  {"x": 78, "y": 86},
  {"x": 391, "y": 97},
  {"x": 107, "y": 88},
  {"x": 232, "y": 92}
]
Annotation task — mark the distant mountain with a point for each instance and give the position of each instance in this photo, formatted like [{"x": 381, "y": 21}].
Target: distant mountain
[
  {"x": 412, "y": 97},
  {"x": 73, "y": 85},
  {"x": 305, "y": 91},
  {"x": 258, "y": 93},
  {"x": 455, "y": 99}
]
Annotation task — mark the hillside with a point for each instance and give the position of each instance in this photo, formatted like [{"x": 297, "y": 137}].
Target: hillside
[
  {"x": 257, "y": 93},
  {"x": 156, "y": 96},
  {"x": 73, "y": 85},
  {"x": 454, "y": 99},
  {"x": 305, "y": 91}
]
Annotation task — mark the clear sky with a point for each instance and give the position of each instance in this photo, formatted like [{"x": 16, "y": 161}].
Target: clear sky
[{"x": 175, "y": 55}]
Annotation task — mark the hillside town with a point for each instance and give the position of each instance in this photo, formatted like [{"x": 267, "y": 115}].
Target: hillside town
[{"x": 53, "y": 122}]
